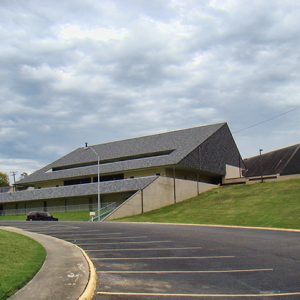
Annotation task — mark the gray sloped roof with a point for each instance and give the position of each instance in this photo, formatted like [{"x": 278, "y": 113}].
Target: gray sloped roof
[
  {"x": 182, "y": 142},
  {"x": 274, "y": 162},
  {"x": 107, "y": 187}
]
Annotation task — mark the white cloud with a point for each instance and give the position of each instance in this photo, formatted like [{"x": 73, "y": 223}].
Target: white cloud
[
  {"x": 74, "y": 32},
  {"x": 18, "y": 166},
  {"x": 106, "y": 70},
  {"x": 53, "y": 149}
]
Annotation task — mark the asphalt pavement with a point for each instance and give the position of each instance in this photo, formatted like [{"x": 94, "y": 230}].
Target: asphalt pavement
[{"x": 152, "y": 261}]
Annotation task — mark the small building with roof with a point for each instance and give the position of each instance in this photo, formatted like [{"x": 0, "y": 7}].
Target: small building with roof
[
  {"x": 283, "y": 163},
  {"x": 137, "y": 175}
]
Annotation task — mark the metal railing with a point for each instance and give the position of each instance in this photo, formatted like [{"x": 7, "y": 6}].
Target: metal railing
[
  {"x": 61, "y": 208},
  {"x": 5, "y": 189},
  {"x": 104, "y": 211}
]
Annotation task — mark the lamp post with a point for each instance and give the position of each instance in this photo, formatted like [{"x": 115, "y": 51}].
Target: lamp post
[
  {"x": 261, "y": 169},
  {"x": 98, "y": 158}
]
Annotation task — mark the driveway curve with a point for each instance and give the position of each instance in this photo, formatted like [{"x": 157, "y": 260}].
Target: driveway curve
[{"x": 154, "y": 261}]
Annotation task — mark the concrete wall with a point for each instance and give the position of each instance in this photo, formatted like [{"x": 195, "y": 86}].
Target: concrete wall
[
  {"x": 288, "y": 177},
  {"x": 132, "y": 206},
  {"x": 158, "y": 194},
  {"x": 232, "y": 172},
  {"x": 186, "y": 189},
  {"x": 271, "y": 178}
]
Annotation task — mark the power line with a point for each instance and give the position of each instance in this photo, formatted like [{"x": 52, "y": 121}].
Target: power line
[{"x": 267, "y": 120}]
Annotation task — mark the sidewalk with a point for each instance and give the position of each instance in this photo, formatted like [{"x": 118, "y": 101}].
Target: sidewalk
[{"x": 65, "y": 273}]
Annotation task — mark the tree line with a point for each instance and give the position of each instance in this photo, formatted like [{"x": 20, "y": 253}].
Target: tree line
[{"x": 4, "y": 179}]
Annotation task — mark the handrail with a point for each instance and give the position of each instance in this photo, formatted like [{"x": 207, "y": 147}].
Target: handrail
[{"x": 104, "y": 211}]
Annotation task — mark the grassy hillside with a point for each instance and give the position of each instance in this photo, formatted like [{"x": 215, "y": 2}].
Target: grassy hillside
[
  {"x": 20, "y": 259},
  {"x": 273, "y": 204}
]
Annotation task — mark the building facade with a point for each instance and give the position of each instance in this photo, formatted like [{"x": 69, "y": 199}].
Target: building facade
[{"x": 174, "y": 166}]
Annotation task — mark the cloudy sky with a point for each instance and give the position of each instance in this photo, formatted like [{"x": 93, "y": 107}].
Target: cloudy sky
[{"x": 96, "y": 71}]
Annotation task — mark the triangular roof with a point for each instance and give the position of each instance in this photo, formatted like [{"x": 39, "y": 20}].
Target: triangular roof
[
  {"x": 275, "y": 162},
  {"x": 144, "y": 152}
]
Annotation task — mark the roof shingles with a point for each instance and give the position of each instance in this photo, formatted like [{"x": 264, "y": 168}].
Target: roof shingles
[
  {"x": 181, "y": 141},
  {"x": 88, "y": 189}
]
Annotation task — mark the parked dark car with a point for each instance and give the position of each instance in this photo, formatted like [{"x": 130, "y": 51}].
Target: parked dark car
[{"x": 40, "y": 216}]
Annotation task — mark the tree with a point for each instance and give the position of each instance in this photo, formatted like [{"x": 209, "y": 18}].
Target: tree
[
  {"x": 24, "y": 175},
  {"x": 4, "y": 180}
]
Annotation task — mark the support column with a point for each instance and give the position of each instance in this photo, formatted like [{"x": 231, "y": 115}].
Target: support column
[
  {"x": 174, "y": 183},
  {"x": 142, "y": 201},
  {"x": 197, "y": 184}
]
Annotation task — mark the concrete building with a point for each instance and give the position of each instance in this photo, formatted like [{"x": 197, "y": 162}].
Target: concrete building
[
  {"x": 279, "y": 164},
  {"x": 137, "y": 175}
]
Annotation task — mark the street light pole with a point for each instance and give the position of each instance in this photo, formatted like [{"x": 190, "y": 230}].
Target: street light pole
[{"x": 98, "y": 186}]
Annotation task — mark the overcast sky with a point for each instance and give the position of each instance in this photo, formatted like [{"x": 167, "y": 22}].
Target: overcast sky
[{"x": 96, "y": 71}]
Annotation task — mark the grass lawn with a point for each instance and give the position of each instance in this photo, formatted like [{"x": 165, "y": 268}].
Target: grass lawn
[
  {"x": 20, "y": 259},
  {"x": 73, "y": 216},
  {"x": 15, "y": 218},
  {"x": 272, "y": 204},
  {"x": 62, "y": 216}
]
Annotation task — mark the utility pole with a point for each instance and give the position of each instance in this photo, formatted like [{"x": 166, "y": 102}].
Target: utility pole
[
  {"x": 13, "y": 174},
  {"x": 261, "y": 168}
]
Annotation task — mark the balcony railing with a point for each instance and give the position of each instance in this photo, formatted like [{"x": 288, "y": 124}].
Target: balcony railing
[{"x": 52, "y": 209}]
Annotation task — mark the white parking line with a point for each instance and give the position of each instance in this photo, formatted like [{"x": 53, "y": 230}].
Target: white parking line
[
  {"x": 164, "y": 258},
  {"x": 56, "y": 226},
  {"x": 72, "y": 232},
  {"x": 142, "y": 249},
  {"x": 110, "y": 238},
  {"x": 116, "y": 243},
  {"x": 44, "y": 230},
  {"x": 87, "y": 234},
  {"x": 186, "y": 272},
  {"x": 200, "y": 295}
]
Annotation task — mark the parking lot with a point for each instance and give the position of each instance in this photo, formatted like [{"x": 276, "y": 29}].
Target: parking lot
[{"x": 143, "y": 261}]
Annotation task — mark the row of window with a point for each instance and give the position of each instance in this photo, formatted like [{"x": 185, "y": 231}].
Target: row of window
[
  {"x": 94, "y": 179},
  {"x": 119, "y": 159}
]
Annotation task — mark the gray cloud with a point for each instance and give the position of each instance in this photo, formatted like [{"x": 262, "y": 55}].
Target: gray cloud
[{"x": 96, "y": 71}]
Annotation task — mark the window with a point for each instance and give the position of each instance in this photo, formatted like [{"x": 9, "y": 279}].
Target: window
[
  {"x": 109, "y": 177},
  {"x": 77, "y": 181},
  {"x": 118, "y": 159}
]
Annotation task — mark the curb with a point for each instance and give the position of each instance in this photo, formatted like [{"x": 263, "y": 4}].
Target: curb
[
  {"x": 91, "y": 285},
  {"x": 11, "y": 229},
  {"x": 87, "y": 291},
  {"x": 216, "y": 226}
]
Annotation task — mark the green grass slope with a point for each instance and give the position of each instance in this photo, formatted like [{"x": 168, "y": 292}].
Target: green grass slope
[
  {"x": 20, "y": 259},
  {"x": 272, "y": 204}
]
